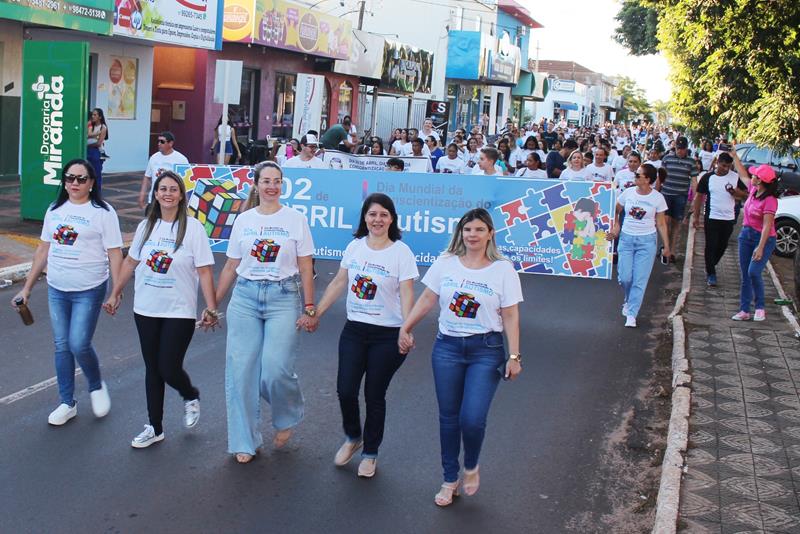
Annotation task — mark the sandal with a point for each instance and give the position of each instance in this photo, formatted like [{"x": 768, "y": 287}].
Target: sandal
[
  {"x": 282, "y": 438},
  {"x": 472, "y": 481},
  {"x": 244, "y": 457},
  {"x": 446, "y": 493}
]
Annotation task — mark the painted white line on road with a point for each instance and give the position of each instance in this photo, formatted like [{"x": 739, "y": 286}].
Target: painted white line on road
[{"x": 30, "y": 390}]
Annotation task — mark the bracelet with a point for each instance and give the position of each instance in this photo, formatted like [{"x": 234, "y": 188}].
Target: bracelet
[
  {"x": 214, "y": 314},
  {"x": 309, "y": 305}
]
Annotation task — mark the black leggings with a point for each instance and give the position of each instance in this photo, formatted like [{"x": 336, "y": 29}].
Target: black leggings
[{"x": 164, "y": 342}]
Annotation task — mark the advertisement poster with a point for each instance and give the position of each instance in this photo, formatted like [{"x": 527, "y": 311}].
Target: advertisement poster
[
  {"x": 192, "y": 23},
  {"x": 406, "y": 68},
  {"x": 122, "y": 76},
  {"x": 366, "y": 57},
  {"x": 543, "y": 226},
  {"x": 367, "y": 162},
  {"x": 93, "y": 16},
  {"x": 439, "y": 112},
  {"x": 309, "y": 90},
  {"x": 54, "y": 104}
]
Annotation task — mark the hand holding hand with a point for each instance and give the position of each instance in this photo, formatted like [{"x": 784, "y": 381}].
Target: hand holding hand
[
  {"x": 210, "y": 319},
  {"x": 112, "y": 304},
  {"x": 405, "y": 342}
]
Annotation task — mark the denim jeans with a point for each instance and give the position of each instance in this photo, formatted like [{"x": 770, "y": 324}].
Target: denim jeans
[
  {"x": 636, "y": 255},
  {"x": 93, "y": 157},
  {"x": 372, "y": 350},
  {"x": 261, "y": 355},
  {"x": 73, "y": 317},
  {"x": 465, "y": 371},
  {"x": 752, "y": 283}
]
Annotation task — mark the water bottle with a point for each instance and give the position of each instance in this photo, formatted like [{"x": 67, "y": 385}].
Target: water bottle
[{"x": 24, "y": 311}]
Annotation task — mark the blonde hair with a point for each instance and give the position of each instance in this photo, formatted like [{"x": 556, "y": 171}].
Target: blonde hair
[
  {"x": 252, "y": 199},
  {"x": 569, "y": 159},
  {"x": 457, "y": 246}
]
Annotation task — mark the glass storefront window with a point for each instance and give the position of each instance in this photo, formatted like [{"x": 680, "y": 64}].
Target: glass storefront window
[
  {"x": 245, "y": 115},
  {"x": 345, "y": 100},
  {"x": 283, "y": 108}
]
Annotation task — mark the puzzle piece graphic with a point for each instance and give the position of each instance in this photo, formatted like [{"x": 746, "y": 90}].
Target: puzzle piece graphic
[
  {"x": 542, "y": 226},
  {"x": 568, "y": 236},
  {"x": 520, "y": 235},
  {"x": 553, "y": 197},
  {"x": 569, "y": 221},
  {"x": 534, "y": 203},
  {"x": 514, "y": 211},
  {"x": 538, "y": 268},
  {"x": 579, "y": 266}
]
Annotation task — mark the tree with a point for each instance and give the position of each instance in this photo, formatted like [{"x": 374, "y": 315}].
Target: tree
[
  {"x": 633, "y": 100},
  {"x": 637, "y": 28},
  {"x": 661, "y": 112}
]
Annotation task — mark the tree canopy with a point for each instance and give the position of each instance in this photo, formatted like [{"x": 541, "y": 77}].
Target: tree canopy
[
  {"x": 634, "y": 102},
  {"x": 637, "y": 28},
  {"x": 735, "y": 65}
]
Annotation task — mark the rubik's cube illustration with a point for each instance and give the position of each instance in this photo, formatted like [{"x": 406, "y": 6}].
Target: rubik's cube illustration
[
  {"x": 637, "y": 213},
  {"x": 265, "y": 250},
  {"x": 159, "y": 261},
  {"x": 364, "y": 287},
  {"x": 216, "y": 204},
  {"x": 464, "y": 305},
  {"x": 65, "y": 234}
]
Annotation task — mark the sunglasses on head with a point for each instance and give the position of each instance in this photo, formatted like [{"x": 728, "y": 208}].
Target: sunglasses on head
[{"x": 81, "y": 178}]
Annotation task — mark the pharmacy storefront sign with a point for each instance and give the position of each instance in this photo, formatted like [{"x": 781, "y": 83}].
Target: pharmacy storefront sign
[{"x": 53, "y": 118}]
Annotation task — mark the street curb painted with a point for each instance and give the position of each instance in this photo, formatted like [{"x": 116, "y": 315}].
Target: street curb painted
[
  {"x": 786, "y": 310},
  {"x": 669, "y": 490}
]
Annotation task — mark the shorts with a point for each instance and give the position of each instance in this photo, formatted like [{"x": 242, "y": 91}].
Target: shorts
[
  {"x": 228, "y": 147},
  {"x": 676, "y": 206}
]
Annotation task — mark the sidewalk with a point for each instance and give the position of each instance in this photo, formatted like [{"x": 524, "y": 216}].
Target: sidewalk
[
  {"x": 18, "y": 238},
  {"x": 743, "y": 460}
]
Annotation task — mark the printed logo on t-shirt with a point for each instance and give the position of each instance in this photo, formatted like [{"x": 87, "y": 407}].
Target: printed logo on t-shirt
[
  {"x": 65, "y": 234},
  {"x": 159, "y": 261},
  {"x": 464, "y": 305},
  {"x": 364, "y": 287},
  {"x": 265, "y": 250},
  {"x": 637, "y": 213}
]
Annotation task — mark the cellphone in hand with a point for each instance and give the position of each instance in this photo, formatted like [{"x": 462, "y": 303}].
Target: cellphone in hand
[{"x": 725, "y": 147}]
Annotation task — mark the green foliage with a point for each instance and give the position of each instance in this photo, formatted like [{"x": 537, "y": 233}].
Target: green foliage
[
  {"x": 637, "y": 28},
  {"x": 634, "y": 102}
]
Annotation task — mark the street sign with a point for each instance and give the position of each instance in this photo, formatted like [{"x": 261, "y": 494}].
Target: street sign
[
  {"x": 54, "y": 118},
  {"x": 93, "y": 16}
]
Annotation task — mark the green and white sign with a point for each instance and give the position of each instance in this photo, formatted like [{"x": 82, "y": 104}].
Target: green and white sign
[
  {"x": 95, "y": 16},
  {"x": 54, "y": 116}
]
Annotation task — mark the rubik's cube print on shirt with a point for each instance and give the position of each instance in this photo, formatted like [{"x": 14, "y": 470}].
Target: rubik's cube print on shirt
[
  {"x": 65, "y": 234},
  {"x": 364, "y": 287},
  {"x": 216, "y": 204},
  {"x": 464, "y": 305},
  {"x": 265, "y": 250},
  {"x": 159, "y": 261}
]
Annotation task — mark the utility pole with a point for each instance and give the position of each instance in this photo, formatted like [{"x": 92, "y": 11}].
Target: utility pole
[{"x": 361, "y": 14}]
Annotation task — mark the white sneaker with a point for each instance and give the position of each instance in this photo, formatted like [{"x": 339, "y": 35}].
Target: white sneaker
[
  {"x": 146, "y": 438},
  {"x": 760, "y": 315},
  {"x": 191, "y": 413},
  {"x": 367, "y": 467},
  {"x": 630, "y": 322},
  {"x": 101, "y": 402},
  {"x": 625, "y": 309},
  {"x": 346, "y": 452},
  {"x": 62, "y": 414}
]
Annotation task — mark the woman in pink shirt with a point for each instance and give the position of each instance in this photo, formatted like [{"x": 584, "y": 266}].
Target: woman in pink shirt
[{"x": 757, "y": 238}]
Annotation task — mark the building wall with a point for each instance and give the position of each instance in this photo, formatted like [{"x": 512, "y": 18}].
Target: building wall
[
  {"x": 10, "y": 97},
  {"x": 506, "y": 22},
  {"x": 128, "y": 139}
]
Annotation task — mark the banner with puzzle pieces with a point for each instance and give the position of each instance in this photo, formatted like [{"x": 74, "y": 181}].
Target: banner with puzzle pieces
[{"x": 556, "y": 228}]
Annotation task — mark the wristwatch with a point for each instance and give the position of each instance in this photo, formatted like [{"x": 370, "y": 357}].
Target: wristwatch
[
  {"x": 516, "y": 357},
  {"x": 310, "y": 310}
]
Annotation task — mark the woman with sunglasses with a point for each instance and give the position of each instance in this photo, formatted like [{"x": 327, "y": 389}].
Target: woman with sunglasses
[
  {"x": 644, "y": 210},
  {"x": 269, "y": 258},
  {"x": 171, "y": 256},
  {"x": 478, "y": 292},
  {"x": 80, "y": 243}
]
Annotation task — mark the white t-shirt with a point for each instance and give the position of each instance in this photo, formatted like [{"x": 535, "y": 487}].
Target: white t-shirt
[
  {"x": 470, "y": 299},
  {"x": 470, "y": 157},
  {"x": 79, "y": 236},
  {"x": 424, "y": 136},
  {"x": 269, "y": 245},
  {"x": 455, "y": 165},
  {"x": 720, "y": 204},
  {"x": 706, "y": 158},
  {"x": 166, "y": 279},
  {"x": 398, "y": 146},
  {"x": 599, "y": 174},
  {"x": 625, "y": 179},
  {"x": 519, "y": 156},
  {"x": 640, "y": 211},
  {"x": 657, "y": 163},
  {"x": 498, "y": 171},
  {"x": 223, "y": 133},
  {"x": 158, "y": 163},
  {"x": 527, "y": 173},
  {"x": 406, "y": 150},
  {"x": 374, "y": 276},
  {"x": 297, "y": 162},
  {"x": 569, "y": 174},
  {"x": 618, "y": 163}
]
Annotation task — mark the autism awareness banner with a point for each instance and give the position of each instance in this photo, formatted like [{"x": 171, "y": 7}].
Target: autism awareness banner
[
  {"x": 334, "y": 159},
  {"x": 543, "y": 226}
]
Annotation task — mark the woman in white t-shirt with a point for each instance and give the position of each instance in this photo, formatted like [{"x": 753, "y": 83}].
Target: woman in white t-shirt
[
  {"x": 706, "y": 155},
  {"x": 533, "y": 168},
  {"x": 269, "y": 257},
  {"x": 378, "y": 272},
  {"x": 478, "y": 292},
  {"x": 472, "y": 154},
  {"x": 226, "y": 134},
  {"x": 598, "y": 170},
  {"x": 644, "y": 209},
  {"x": 170, "y": 256},
  {"x": 397, "y": 145},
  {"x": 576, "y": 170},
  {"x": 626, "y": 177},
  {"x": 80, "y": 241},
  {"x": 451, "y": 163}
]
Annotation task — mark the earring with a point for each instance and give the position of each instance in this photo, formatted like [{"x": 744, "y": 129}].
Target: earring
[{"x": 90, "y": 189}]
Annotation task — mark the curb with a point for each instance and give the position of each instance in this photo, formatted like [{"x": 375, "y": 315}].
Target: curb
[
  {"x": 669, "y": 490},
  {"x": 787, "y": 312}
]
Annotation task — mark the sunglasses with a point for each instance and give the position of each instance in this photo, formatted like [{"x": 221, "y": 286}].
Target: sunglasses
[
  {"x": 162, "y": 141},
  {"x": 81, "y": 178}
]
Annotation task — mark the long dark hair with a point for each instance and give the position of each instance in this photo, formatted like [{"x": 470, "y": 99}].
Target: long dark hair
[
  {"x": 770, "y": 190},
  {"x": 650, "y": 171},
  {"x": 95, "y": 196},
  {"x": 155, "y": 212},
  {"x": 385, "y": 202},
  {"x": 102, "y": 119}
]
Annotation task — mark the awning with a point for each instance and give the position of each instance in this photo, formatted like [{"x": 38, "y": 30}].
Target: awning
[
  {"x": 566, "y": 105},
  {"x": 532, "y": 85}
]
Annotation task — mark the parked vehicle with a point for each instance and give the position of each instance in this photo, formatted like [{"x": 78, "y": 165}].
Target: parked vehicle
[
  {"x": 787, "y": 166},
  {"x": 787, "y": 226}
]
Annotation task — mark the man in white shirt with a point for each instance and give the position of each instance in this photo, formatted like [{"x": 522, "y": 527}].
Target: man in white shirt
[
  {"x": 306, "y": 159},
  {"x": 406, "y": 149},
  {"x": 487, "y": 162},
  {"x": 620, "y": 162},
  {"x": 164, "y": 160},
  {"x": 417, "y": 151},
  {"x": 427, "y": 131}
]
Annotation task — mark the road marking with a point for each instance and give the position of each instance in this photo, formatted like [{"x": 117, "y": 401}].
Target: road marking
[{"x": 30, "y": 390}]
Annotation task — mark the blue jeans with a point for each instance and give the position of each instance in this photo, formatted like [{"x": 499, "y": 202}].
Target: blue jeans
[
  {"x": 73, "y": 317},
  {"x": 752, "y": 283},
  {"x": 465, "y": 371},
  {"x": 636, "y": 255},
  {"x": 93, "y": 157},
  {"x": 261, "y": 355}
]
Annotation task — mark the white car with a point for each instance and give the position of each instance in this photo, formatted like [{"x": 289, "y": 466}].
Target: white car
[{"x": 787, "y": 226}]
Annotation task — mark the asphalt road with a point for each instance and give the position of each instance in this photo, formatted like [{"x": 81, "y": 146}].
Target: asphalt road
[{"x": 540, "y": 457}]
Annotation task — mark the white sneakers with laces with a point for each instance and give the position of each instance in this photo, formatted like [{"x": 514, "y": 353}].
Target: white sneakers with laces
[
  {"x": 630, "y": 321},
  {"x": 146, "y": 438},
  {"x": 101, "y": 402},
  {"x": 62, "y": 414},
  {"x": 191, "y": 413}
]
